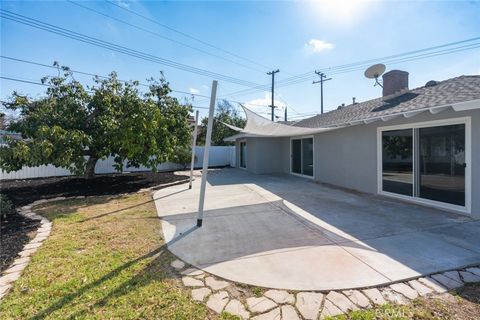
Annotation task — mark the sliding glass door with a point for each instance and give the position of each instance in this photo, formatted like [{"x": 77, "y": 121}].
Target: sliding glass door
[
  {"x": 442, "y": 164},
  {"x": 426, "y": 162},
  {"x": 302, "y": 156},
  {"x": 397, "y": 155}
]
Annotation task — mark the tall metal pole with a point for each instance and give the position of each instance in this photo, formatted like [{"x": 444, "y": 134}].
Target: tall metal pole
[
  {"x": 321, "y": 81},
  {"x": 272, "y": 73},
  {"x": 194, "y": 144},
  {"x": 206, "y": 151},
  {"x": 285, "y": 113}
]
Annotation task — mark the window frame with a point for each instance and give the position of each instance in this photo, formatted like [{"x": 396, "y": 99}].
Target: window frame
[{"x": 467, "y": 209}]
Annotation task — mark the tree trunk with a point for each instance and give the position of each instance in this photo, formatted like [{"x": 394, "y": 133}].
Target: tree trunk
[{"x": 90, "y": 167}]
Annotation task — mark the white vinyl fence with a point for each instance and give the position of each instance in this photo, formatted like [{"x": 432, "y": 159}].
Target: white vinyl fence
[{"x": 219, "y": 156}]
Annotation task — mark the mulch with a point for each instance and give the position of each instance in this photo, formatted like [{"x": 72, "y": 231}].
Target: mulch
[{"x": 16, "y": 230}]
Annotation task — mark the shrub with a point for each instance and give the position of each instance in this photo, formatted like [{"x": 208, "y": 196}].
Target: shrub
[{"x": 6, "y": 206}]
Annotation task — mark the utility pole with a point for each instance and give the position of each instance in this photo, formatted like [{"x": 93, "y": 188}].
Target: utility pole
[
  {"x": 272, "y": 73},
  {"x": 321, "y": 81},
  {"x": 285, "y": 113}
]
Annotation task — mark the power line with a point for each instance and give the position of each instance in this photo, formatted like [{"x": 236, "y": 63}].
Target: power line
[
  {"x": 117, "y": 48},
  {"x": 186, "y": 35},
  {"x": 392, "y": 59},
  {"x": 162, "y": 36}
]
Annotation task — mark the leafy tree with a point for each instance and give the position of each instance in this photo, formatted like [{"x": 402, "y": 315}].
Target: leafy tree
[
  {"x": 225, "y": 112},
  {"x": 73, "y": 128}
]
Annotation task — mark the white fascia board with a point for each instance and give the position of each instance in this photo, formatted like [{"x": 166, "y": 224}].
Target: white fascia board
[
  {"x": 436, "y": 110},
  {"x": 414, "y": 113},
  {"x": 390, "y": 117},
  {"x": 467, "y": 105}
]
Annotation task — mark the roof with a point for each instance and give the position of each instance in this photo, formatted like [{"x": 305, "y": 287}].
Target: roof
[{"x": 448, "y": 92}]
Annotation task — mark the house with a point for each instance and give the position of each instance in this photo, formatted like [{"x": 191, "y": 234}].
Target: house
[{"x": 421, "y": 145}]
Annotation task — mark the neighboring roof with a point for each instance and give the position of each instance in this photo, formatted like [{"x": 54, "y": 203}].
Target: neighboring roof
[{"x": 444, "y": 93}]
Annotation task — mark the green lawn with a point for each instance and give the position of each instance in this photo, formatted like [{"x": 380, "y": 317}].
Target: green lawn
[{"x": 104, "y": 259}]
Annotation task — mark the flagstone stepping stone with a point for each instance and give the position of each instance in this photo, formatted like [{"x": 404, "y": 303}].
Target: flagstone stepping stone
[
  {"x": 216, "y": 284},
  {"x": 469, "y": 277},
  {"x": 475, "y": 270},
  {"x": 177, "y": 264},
  {"x": 405, "y": 290},
  {"x": 191, "y": 282},
  {"x": 192, "y": 272},
  {"x": 21, "y": 260},
  {"x": 447, "y": 282},
  {"x": 260, "y": 305},
  {"x": 27, "y": 253},
  {"x": 341, "y": 301},
  {"x": 453, "y": 275},
  {"x": 280, "y": 296},
  {"x": 393, "y": 296},
  {"x": 289, "y": 313},
  {"x": 271, "y": 315},
  {"x": 16, "y": 268},
  {"x": 9, "y": 277},
  {"x": 4, "y": 290},
  {"x": 429, "y": 282},
  {"x": 32, "y": 245},
  {"x": 375, "y": 296},
  {"x": 217, "y": 301},
  {"x": 330, "y": 310},
  {"x": 420, "y": 288},
  {"x": 358, "y": 298},
  {"x": 308, "y": 304},
  {"x": 200, "y": 294},
  {"x": 236, "y": 308}
]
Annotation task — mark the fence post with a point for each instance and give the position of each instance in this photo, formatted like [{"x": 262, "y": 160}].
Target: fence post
[{"x": 194, "y": 144}]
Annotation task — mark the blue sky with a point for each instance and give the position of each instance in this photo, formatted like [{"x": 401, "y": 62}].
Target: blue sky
[{"x": 295, "y": 37}]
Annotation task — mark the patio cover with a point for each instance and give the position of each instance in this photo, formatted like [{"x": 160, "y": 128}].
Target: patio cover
[{"x": 258, "y": 126}]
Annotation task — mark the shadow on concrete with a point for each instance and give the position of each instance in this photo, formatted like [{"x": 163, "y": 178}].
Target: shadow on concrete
[{"x": 395, "y": 239}]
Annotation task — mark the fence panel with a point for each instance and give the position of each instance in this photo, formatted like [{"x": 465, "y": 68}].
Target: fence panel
[{"x": 219, "y": 156}]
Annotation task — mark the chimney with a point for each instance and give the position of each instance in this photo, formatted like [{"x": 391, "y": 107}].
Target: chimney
[
  {"x": 394, "y": 81},
  {"x": 353, "y": 100}
]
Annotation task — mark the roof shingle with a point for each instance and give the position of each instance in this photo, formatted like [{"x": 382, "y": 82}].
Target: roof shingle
[{"x": 455, "y": 90}]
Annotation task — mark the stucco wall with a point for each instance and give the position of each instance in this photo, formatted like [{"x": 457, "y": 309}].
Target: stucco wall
[
  {"x": 265, "y": 155},
  {"x": 348, "y": 157}
]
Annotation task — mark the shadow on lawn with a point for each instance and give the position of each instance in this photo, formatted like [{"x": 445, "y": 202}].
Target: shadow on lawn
[{"x": 150, "y": 273}]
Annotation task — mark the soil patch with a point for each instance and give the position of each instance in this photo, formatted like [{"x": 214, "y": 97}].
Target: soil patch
[
  {"x": 15, "y": 232},
  {"x": 23, "y": 192}
]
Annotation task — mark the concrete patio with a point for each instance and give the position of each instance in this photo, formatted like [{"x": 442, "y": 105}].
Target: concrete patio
[{"x": 291, "y": 233}]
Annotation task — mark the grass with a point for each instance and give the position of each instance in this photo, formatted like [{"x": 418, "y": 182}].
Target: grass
[
  {"x": 104, "y": 259},
  {"x": 463, "y": 304}
]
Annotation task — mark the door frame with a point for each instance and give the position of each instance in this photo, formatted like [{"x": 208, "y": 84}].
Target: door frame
[
  {"x": 301, "y": 155},
  {"x": 467, "y": 209},
  {"x": 240, "y": 154}
]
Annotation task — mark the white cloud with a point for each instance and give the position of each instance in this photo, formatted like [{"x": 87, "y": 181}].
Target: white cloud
[
  {"x": 316, "y": 45},
  {"x": 260, "y": 105},
  {"x": 123, "y": 3},
  {"x": 194, "y": 91}
]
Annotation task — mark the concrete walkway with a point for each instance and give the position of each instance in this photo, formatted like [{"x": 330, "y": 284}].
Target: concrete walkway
[{"x": 286, "y": 232}]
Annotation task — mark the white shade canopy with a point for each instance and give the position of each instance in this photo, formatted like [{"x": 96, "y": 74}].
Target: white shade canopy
[{"x": 258, "y": 126}]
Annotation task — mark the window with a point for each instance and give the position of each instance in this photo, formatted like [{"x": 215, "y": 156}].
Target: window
[
  {"x": 302, "y": 156},
  {"x": 427, "y": 161}
]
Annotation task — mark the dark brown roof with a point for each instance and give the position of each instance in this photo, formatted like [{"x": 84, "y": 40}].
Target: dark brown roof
[{"x": 459, "y": 89}]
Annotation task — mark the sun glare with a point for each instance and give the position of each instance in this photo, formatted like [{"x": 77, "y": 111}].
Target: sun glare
[{"x": 341, "y": 11}]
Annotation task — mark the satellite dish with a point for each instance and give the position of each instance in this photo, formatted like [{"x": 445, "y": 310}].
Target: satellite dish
[{"x": 374, "y": 72}]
